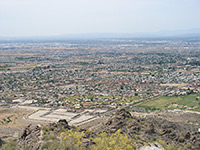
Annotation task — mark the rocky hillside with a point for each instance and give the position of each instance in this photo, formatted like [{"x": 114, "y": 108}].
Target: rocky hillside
[
  {"x": 153, "y": 129},
  {"x": 121, "y": 131}
]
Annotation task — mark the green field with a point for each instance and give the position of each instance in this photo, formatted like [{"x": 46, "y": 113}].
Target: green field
[{"x": 187, "y": 102}]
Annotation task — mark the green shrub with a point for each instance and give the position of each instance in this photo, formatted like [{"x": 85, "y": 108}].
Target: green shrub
[
  {"x": 45, "y": 129},
  {"x": 11, "y": 145},
  {"x": 116, "y": 141},
  {"x": 49, "y": 137},
  {"x": 53, "y": 145},
  {"x": 168, "y": 147},
  {"x": 71, "y": 140},
  {"x": 181, "y": 139}
]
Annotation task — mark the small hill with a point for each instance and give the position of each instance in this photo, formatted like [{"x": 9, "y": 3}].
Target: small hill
[
  {"x": 121, "y": 131},
  {"x": 151, "y": 129}
]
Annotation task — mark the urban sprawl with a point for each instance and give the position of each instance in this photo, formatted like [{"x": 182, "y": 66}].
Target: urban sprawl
[{"x": 88, "y": 74}]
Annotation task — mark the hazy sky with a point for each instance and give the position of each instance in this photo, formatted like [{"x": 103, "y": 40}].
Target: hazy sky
[{"x": 59, "y": 17}]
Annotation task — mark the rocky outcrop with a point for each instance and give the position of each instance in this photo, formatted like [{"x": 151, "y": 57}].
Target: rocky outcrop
[
  {"x": 60, "y": 125},
  {"x": 30, "y": 136},
  {"x": 86, "y": 142},
  {"x": 150, "y": 129},
  {"x": 1, "y": 142},
  {"x": 118, "y": 121},
  {"x": 155, "y": 146},
  {"x": 142, "y": 130}
]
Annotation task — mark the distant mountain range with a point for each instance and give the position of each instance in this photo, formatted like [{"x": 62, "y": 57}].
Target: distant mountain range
[
  {"x": 163, "y": 33},
  {"x": 189, "y": 33}
]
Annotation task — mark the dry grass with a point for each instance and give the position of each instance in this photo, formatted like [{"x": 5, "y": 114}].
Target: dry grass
[
  {"x": 9, "y": 124},
  {"x": 13, "y": 114}
]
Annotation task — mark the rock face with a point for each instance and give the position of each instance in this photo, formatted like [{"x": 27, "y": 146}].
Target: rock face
[
  {"x": 86, "y": 142},
  {"x": 61, "y": 124},
  {"x": 151, "y": 129},
  {"x": 142, "y": 130},
  {"x": 155, "y": 146},
  {"x": 118, "y": 120},
  {"x": 1, "y": 142},
  {"x": 123, "y": 114},
  {"x": 30, "y": 135}
]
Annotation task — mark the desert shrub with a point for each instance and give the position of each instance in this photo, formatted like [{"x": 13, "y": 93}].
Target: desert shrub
[
  {"x": 88, "y": 132},
  {"x": 181, "y": 139},
  {"x": 71, "y": 140},
  {"x": 49, "y": 137},
  {"x": 188, "y": 146},
  {"x": 168, "y": 147},
  {"x": 161, "y": 142},
  {"x": 68, "y": 140},
  {"x": 50, "y": 145},
  {"x": 116, "y": 141},
  {"x": 145, "y": 143},
  {"x": 11, "y": 145},
  {"x": 45, "y": 129}
]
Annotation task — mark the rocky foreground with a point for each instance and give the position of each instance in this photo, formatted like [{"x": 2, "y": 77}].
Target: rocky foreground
[{"x": 121, "y": 131}]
